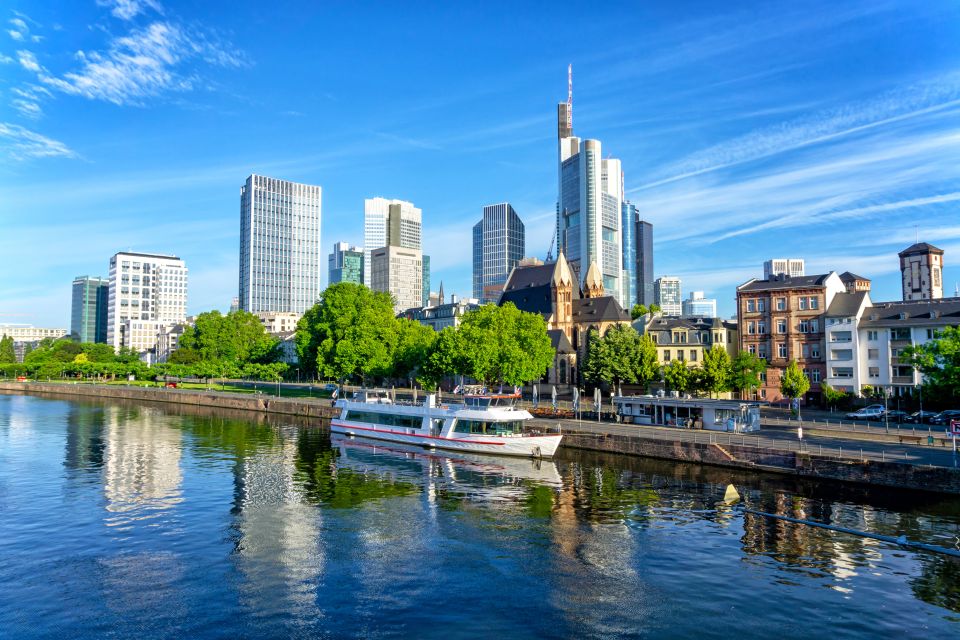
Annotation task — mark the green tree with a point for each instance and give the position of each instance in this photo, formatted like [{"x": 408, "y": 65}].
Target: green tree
[
  {"x": 184, "y": 355},
  {"x": 745, "y": 372},
  {"x": 414, "y": 342},
  {"x": 939, "y": 362},
  {"x": 832, "y": 396},
  {"x": 638, "y": 310},
  {"x": 7, "y": 354},
  {"x": 655, "y": 308},
  {"x": 98, "y": 352},
  {"x": 445, "y": 358},
  {"x": 794, "y": 383},
  {"x": 351, "y": 332},
  {"x": 716, "y": 370},
  {"x": 866, "y": 391},
  {"x": 676, "y": 375},
  {"x": 648, "y": 364},
  {"x": 616, "y": 357},
  {"x": 505, "y": 345},
  {"x": 238, "y": 338}
]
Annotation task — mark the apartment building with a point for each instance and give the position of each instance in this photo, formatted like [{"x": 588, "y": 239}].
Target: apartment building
[
  {"x": 147, "y": 290},
  {"x": 688, "y": 338}
]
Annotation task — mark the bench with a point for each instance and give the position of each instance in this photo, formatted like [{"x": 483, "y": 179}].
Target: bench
[{"x": 910, "y": 439}]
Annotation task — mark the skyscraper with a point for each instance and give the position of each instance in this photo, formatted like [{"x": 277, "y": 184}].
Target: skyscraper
[
  {"x": 669, "y": 295},
  {"x": 590, "y": 203},
  {"x": 399, "y": 272},
  {"x": 793, "y": 267},
  {"x": 88, "y": 316},
  {"x": 498, "y": 245},
  {"x": 345, "y": 264},
  {"x": 644, "y": 271},
  {"x": 280, "y": 253},
  {"x": 379, "y": 214},
  {"x": 628, "y": 222},
  {"x": 147, "y": 290},
  {"x": 697, "y": 306},
  {"x": 426, "y": 280}
]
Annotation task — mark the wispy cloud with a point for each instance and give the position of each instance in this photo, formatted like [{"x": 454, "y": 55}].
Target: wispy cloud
[
  {"x": 18, "y": 143},
  {"x": 29, "y": 61},
  {"x": 129, "y": 9},
  {"x": 19, "y": 30}
]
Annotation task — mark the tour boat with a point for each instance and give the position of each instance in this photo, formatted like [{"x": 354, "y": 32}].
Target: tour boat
[{"x": 479, "y": 423}]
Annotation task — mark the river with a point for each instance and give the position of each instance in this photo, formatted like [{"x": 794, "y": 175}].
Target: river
[{"x": 122, "y": 520}]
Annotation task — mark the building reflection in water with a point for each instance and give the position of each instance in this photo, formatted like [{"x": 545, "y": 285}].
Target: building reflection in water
[{"x": 86, "y": 444}]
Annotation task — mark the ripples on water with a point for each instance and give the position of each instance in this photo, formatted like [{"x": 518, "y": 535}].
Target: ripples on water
[{"x": 122, "y": 520}]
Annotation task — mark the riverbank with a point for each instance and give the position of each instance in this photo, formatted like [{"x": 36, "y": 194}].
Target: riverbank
[{"x": 676, "y": 445}]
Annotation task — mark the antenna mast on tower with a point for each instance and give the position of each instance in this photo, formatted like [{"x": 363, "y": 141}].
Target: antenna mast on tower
[{"x": 570, "y": 98}]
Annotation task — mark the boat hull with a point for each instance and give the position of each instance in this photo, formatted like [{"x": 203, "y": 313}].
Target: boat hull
[{"x": 525, "y": 446}]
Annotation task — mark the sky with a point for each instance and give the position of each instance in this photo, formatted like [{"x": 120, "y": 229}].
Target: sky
[{"x": 747, "y": 130}]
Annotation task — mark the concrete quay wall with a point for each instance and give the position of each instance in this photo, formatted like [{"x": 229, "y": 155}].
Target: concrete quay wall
[
  {"x": 302, "y": 407},
  {"x": 889, "y": 474}
]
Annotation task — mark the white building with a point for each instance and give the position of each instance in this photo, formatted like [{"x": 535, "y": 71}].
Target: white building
[
  {"x": 25, "y": 335},
  {"x": 442, "y": 315},
  {"x": 696, "y": 306},
  {"x": 398, "y": 271},
  {"x": 668, "y": 292},
  {"x": 280, "y": 254},
  {"x": 793, "y": 267},
  {"x": 921, "y": 270},
  {"x": 147, "y": 290},
  {"x": 279, "y": 323},
  {"x": 378, "y": 213}
]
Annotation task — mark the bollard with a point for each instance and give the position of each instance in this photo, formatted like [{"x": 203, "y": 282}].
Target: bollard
[
  {"x": 883, "y": 455},
  {"x": 840, "y": 457},
  {"x": 861, "y": 455}
]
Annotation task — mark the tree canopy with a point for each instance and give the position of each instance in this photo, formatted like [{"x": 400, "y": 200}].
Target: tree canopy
[
  {"x": 794, "y": 383},
  {"x": 620, "y": 355},
  {"x": 676, "y": 375},
  {"x": 638, "y": 310},
  {"x": 238, "y": 338},
  {"x": 7, "y": 353},
  {"x": 745, "y": 371},
  {"x": 939, "y": 362},
  {"x": 501, "y": 344},
  {"x": 716, "y": 371}
]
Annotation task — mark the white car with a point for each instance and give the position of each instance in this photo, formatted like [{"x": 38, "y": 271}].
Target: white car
[{"x": 867, "y": 413}]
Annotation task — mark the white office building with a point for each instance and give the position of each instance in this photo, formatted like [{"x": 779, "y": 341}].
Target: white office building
[
  {"x": 280, "y": 254},
  {"x": 398, "y": 271},
  {"x": 696, "y": 306},
  {"x": 147, "y": 290},
  {"x": 668, "y": 292},
  {"x": 793, "y": 267},
  {"x": 379, "y": 215}
]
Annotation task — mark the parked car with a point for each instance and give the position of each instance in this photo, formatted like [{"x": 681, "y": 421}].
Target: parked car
[
  {"x": 895, "y": 416},
  {"x": 944, "y": 417},
  {"x": 920, "y": 417},
  {"x": 867, "y": 413},
  {"x": 874, "y": 406},
  {"x": 330, "y": 387}
]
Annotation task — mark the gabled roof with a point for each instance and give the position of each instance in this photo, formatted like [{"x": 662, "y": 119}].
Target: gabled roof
[
  {"x": 941, "y": 312},
  {"x": 847, "y": 277},
  {"x": 529, "y": 287},
  {"x": 919, "y": 248},
  {"x": 559, "y": 341},
  {"x": 783, "y": 281},
  {"x": 601, "y": 309},
  {"x": 845, "y": 305}
]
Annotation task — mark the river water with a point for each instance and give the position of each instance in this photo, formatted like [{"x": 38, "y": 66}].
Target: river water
[{"x": 123, "y": 520}]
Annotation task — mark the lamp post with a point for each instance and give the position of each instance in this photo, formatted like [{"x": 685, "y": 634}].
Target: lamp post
[{"x": 886, "y": 418}]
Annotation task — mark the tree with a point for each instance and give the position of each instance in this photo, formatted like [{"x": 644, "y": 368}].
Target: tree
[
  {"x": 716, "y": 370},
  {"x": 96, "y": 352},
  {"x": 648, "y": 364},
  {"x": 676, "y": 375},
  {"x": 351, "y": 332},
  {"x": 238, "y": 338},
  {"x": 184, "y": 355},
  {"x": 745, "y": 372},
  {"x": 938, "y": 360},
  {"x": 444, "y": 358},
  {"x": 832, "y": 396},
  {"x": 619, "y": 356},
  {"x": 505, "y": 345},
  {"x": 638, "y": 310},
  {"x": 414, "y": 342},
  {"x": 794, "y": 383},
  {"x": 866, "y": 391},
  {"x": 655, "y": 308},
  {"x": 7, "y": 354}
]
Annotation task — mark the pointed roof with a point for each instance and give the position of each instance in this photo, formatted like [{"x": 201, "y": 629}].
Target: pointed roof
[
  {"x": 561, "y": 272},
  {"x": 593, "y": 279},
  {"x": 848, "y": 277},
  {"x": 440, "y": 293},
  {"x": 920, "y": 248}
]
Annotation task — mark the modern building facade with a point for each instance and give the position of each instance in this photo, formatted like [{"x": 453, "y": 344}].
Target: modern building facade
[
  {"x": 280, "y": 252},
  {"x": 398, "y": 271},
  {"x": 426, "y": 280},
  {"x": 793, "y": 267},
  {"x": 698, "y": 306},
  {"x": 628, "y": 223},
  {"x": 921, "y": 269},
  {"x": 643, "y": 233},
  {"x": 28, "y": 336},
  {"x": 380, "y": 215},
  {"x": 88, "y": 312},
  {"x": 145, "y": 288},
  {"x": 345, "y": 264},
  {"x": 499, "y": 242},
  {"x": 668, "y": 293}
]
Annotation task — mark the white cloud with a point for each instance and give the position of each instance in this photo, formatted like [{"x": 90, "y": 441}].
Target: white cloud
[
  {"x": 29, "y": 61},
  {"x": 27, "y": 108},
  {"x": 20, "y": 29},
  {"x": 129, "y": 9},
  {"x": 19, "y": 143},
  {"x": 5, "y": 59}
]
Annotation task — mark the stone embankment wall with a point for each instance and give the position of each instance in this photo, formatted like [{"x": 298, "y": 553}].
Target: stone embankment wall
[
  {"x": 890, "y": 474},
  {"x": 302, "y": 407}
]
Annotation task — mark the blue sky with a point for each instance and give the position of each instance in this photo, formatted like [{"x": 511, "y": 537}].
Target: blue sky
[{"x": 822, "y": 130}]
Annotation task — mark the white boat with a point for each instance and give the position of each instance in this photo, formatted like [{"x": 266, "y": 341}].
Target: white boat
[{"x": 478, "y": 424}]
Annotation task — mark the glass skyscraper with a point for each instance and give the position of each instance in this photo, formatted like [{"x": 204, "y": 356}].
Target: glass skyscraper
[
  {"x": 88, "y": 316},
  {"x": 345, "y": 264},
  {"x": 643, "y": 232},
  {"x": 499, "y": 242},
  {"x": 389, "y": 222},
  {"x": 629, "y": 280},
  {"x": 280, "y": 253}
]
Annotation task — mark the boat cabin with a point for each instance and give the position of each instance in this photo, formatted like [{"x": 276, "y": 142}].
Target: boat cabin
[{"x": 700, "y": 413}]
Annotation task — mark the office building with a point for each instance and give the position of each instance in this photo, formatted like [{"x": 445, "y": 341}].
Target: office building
[
  {"x": 280, "y": 253},
  {"x": 628, "y": 222},
  {"x": 793, "y": 267},
  {"x": 499, "y": 243},
  {"x": 644, "y": 269},
  {"x": 28, "y": 336},
  {"x": 398, "y": 271},
  {"x": 921, "y": 269},
  {"x": 88, "y": 314},
  {"x": 589, "y": 206},
  {"x": 696, "y": 306},
  {"x": 345, "y": 264},
  {"x": 669, "y": 295},
  {"x": 426, "y": 280},
  {"x": 380, "y": 216},
  {"x": 146, "y": 290}
]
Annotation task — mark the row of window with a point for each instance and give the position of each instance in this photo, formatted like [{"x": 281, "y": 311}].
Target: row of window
[
  {"x": 804, "y": 303},
  {"x": 809, "y": 351},
  {"x": 759, "y": 327}
]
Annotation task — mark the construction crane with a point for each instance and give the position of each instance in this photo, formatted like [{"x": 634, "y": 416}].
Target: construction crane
[{"x": 553, "y": 240}]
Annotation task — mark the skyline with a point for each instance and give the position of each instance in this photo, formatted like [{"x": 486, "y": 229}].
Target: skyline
[{"x": 744, "y": 135}]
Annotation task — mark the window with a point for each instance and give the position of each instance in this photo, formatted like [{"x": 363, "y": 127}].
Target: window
[
  {"x": 804, "y": 326},
  {"x": 762, "y": 352},
  {"x": 386, "y": 419},
  {"x": 929, "y": 334},
  {"x": 814, "y": 326},
  {"x": 666, "y": 355},
  {"x": 761, "y": 305},
  {"x": 680, "y": 355},
  {"x": 781, "y": 326},
  {"x": 903, "y": 372},
  {"x": 752, "y": 348},
  {"x": 814, "y": 303},
  {"x": 750, "y": 306},
  {"x": 781, "y": 304},
  {"x": 871, "y": 335},
  {"x": 488, "y": 428},
  {"x": 873, "y": 354},
  {"x": 900, "y": 334},
  {"x": 693, "y": 355},
  {"x": 873, "y": 372},
  {"x": 803, "y": 303},
  {"x": 761, "y": 327},
  {"x": 782, "y": 349},
  {"x": 815, "y": 351},
  {"x": 805, "y": 350},
  {"x": 751, "y": 328},
  {"x": 815, "y": 377}
]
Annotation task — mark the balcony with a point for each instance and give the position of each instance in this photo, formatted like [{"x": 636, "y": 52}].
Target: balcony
[{"x": 902, "y": 380}]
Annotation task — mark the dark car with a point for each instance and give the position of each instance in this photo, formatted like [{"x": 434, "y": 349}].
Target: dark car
[
  {"x": 944, "y": 417},
  {"x": 920, "y": 417},
  {"x": 895, "y": 416}
]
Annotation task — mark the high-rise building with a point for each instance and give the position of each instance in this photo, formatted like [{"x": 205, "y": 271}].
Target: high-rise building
[
  {"x": 669, "y": 295},
  {"x": 628, "y": 222},
  {"x": 345, "y": 264},
  {"x": 499, "y": 243},
  {"x": 696, "y": 306},
  {"x": 426, "y": 281},
  {"x": 644, "y": 270},
  {"x": 398, "y": 271},
  {"x": 589, "y": 205},
  {"x": 147, "y": 290},
  {"x": 379, "y": 216},
  {"x": 793, "y": 267},
  {"x": 921, "y": 268},
  {"x": 88, "y": 315},
  {"x": 280, "y": 253}
]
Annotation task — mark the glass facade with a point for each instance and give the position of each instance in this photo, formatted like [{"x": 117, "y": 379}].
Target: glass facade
[
  {"x": 426, "y": 281},
  {"x": 345, "y": 264},
  {"x": 88, "y": 317},
  {"x": 499, "y": 242},
  {"x": 644, "y": 269},
  {"x": 629, "y": 280},
  {"x": 669, "y": 295}
]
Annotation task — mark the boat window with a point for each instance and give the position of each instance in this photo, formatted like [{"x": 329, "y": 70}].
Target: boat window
[
  {"x": 488, "y": 428},
  {"x": 477, "y": 401},
  {"x": 386, "y": 419}
]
